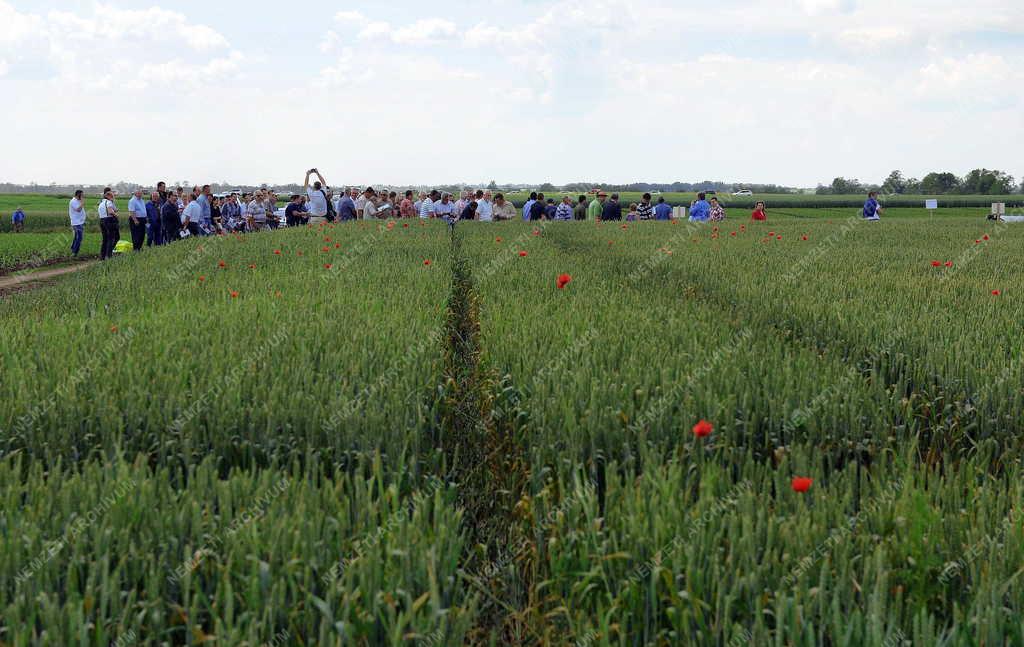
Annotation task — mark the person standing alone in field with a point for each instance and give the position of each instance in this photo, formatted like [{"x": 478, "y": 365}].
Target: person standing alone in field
[
  {"x": 109, "y": 226},
  {"x": 18, "y": 220},
  {"x": 872, "y": 208},
  {"x": 76, "y": 212},
  {"x": 137, "y": 220}
]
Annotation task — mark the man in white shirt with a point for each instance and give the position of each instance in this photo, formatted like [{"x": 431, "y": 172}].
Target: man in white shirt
[
  {"x": 109, "y": 226},
  {"x": 484, "y": 206},
  {"x": 76, "y": 212},
  {"x": 137, "y": 220},
  {"x": 192, "y": 215},
  {"x": 317, "y": 197},
  {"x": 370, "y": 205}
]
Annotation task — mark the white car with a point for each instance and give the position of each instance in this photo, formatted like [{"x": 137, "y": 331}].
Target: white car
[{"x": 744, "y": 192}]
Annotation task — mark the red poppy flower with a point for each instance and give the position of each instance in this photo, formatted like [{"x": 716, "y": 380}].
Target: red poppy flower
[
  {"x": 427, "y": 262},
  {"x": 522, "y": 253},
  {"x": 733, "y": 234},
  {"x": 977, "y": 242},
  {"x": 771, "y": 233},
  {"x": 536, "y": 232},
  {"x": 949, "y": 263},
  {"x": 202, "y": 278},
  {"x": 703, "y": 429},
  {"x": 625, "y": 226},
  {"x": 562, "y": 281},
  {"x": 714, "y": 229},
  {"x": 985, "y": 237},
  {"x": 327, "y": 266},
  {"x": 337, "y": 245},
  {"x": 325, "y": 249},
  {"x": 299, "y": 253},
  {"x": 498, "y": 239},
  {"x": 779, "y": 237},
  {"x": 936, "y": 263},
  {"x": 222, "y": 264},
  {"x": 405, "y": 225},
  {"x": 327, "y": 239},
  {"x": 996, "y": 293},
  {"x": 252, "y": 266},
  {"x": 805, "y": 237},
  {"x": 113, "y": 329},
  {"x": 277, "y": 252},
  {"x": 802, "y": 484},
  {"x": 234, "y": 294}
]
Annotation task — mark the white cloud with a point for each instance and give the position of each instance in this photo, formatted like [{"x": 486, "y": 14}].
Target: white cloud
[
  {"x": 425, "y": 32},
  {"x": 349, "y": 16},
  {"x": 374, "y": 30}
]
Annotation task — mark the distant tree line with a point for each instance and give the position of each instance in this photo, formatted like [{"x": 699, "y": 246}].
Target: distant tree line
[{"x": 978, "y": 182}]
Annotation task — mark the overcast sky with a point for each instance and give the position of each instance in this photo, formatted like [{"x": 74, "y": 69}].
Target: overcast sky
[{"x": 410, "y": 92}]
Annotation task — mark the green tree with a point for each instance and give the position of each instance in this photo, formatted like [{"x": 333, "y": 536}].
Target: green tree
[
  {"x": 982, "y": 181},
  {"x": 895, "y": 183},
  {"x": 844, "y": 186},
  {"x": 547, "y": 187},
  {"x": 493, "y": 186},
  {"x": 939, "y": 184}
]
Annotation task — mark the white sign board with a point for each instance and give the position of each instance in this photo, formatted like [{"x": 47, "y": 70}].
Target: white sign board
[
  {"x": 931, "y": 204},
  {"x": 680, "y": 213},
  {"x": 999, "y": 208}
]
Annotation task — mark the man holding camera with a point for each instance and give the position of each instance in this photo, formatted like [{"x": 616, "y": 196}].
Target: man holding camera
[{"x": 317, "y": 197}]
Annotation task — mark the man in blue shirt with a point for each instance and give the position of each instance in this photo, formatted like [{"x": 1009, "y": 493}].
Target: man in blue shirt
[
  {"x": 529, "y": 205},
  {"x": 872, "y": 208},
  {"x": 137, "y": 219},
  {"x": 700, "y": 210},
  {"x": 293, "y": 212},
  {"x": 662, "y": 211},
  {"x": 204, "y": 203},
  {"x": 155, "y": 231},
  {"x": 18, "y": 220},
  {"x": 612, "y": 210},
  {"x": 347, "y": 208}
]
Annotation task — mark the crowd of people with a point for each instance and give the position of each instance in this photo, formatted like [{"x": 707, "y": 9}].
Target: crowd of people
[{"x": 173, "y": 214}]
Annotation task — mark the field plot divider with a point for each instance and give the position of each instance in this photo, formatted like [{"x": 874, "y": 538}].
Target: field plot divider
[{"x": 479, "y": 428}]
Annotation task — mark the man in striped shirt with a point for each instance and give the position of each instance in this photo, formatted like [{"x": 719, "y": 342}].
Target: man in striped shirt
[{"x": 427, "y": 208}]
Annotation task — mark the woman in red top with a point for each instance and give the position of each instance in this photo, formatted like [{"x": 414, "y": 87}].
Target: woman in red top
[{"x": 758, "y": 212}]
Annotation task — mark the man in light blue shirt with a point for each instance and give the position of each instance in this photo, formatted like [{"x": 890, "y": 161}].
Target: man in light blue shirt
[
  {"x": 529, "y": 203},
  {"x": 700, "y": 210},
  {"x": 204, "y": 205},
  {"x": 137, "y": 218}
]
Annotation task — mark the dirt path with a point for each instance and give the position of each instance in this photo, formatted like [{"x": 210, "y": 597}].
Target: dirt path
[{"x": 19, "y": 282}]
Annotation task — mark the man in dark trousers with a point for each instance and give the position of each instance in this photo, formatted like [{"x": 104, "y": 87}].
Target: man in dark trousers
[
  {"x": 155, "y": 229},
  {"x": 612, "y": 210},
  {"x": 171, "y": 220}
]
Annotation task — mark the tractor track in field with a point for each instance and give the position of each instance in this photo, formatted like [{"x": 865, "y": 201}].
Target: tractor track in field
[
  {"x": 479, "y": 428},
  {"x": 22, "y": 282}
]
